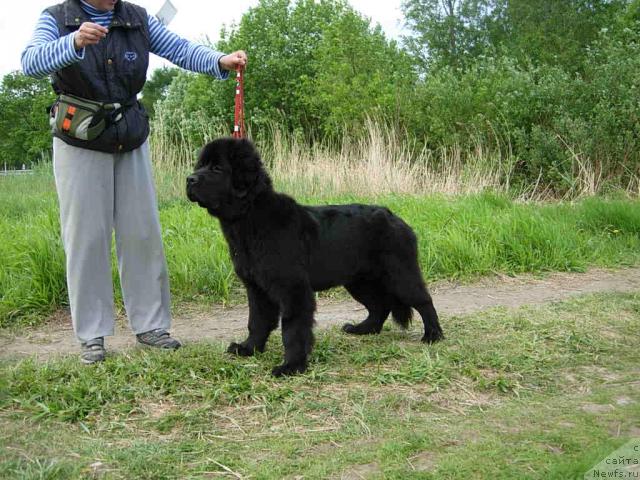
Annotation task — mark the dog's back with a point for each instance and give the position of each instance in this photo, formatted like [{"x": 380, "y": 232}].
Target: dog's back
[{"x": 351, "y": 242}]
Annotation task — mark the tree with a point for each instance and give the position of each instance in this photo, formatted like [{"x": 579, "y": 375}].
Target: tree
[
  {"x": 283, "y": 38},
  {"x": 550, "y": 32},
  {"x": 456, "y": 33},
  {"x": 156, "y": 87},
  {"x": 359, "y": 74},
  {"x": 447, "y": 32},
  {"x": 314, "y": 67},
  {"x": 24, "y": 124}
]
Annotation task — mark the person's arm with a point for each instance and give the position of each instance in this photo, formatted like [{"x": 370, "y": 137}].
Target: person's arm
[
  {"x": 189, "y": 55},
  {"x": 47, "y": 51}
]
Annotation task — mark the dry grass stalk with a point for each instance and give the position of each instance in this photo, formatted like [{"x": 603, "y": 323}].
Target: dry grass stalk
[{"x": 382, "y": 162}]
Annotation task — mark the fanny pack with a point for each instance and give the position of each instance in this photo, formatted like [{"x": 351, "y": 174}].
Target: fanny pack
[{"x": 83, "y": 119}]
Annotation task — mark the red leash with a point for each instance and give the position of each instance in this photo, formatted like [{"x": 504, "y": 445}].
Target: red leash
[{"x": 238, "y": 124}]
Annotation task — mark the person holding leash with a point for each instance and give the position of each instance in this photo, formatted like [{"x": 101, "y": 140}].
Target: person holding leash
[{"x": 97, "y": 53}]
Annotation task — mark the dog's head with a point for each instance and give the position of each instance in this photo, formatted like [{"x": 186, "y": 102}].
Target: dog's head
[{"x": 228, "y": 177}]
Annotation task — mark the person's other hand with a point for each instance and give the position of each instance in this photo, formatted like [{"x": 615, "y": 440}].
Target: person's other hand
[
  {"x": 234, "y": 60},
  {"x": 89, "y": 34}
]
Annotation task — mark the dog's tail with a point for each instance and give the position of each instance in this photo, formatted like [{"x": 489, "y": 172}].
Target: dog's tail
[{"x": 402, "y": 314}]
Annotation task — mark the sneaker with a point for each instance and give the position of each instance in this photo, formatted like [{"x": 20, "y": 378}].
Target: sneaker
[
  {"x": 158, "y": 338},
  {"x": 92, "y": 351}
]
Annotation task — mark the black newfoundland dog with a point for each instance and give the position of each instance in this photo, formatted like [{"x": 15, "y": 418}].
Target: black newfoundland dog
[{"x": 283, "y": 252}]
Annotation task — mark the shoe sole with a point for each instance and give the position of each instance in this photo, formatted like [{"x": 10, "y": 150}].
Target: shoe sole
[
  {"x": 91, "y": 362},
  {"x": 157, "y": 347}
]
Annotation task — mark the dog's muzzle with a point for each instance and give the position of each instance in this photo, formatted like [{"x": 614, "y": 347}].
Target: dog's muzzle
[{"x": 192, "y": 181}]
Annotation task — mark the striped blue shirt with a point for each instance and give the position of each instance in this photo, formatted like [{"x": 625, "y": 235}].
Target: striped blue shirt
[{"x": 48, "y": 52}]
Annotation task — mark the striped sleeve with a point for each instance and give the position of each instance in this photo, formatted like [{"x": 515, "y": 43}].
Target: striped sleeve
[
  {"x": 47, "y": 51},
  {"x": 185, "y": 54}
]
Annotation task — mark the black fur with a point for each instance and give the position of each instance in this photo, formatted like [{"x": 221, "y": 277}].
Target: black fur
[{"x": 283, "y": 252}]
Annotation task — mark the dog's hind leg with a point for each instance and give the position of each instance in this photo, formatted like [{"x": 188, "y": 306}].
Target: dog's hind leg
[
  {"x": 263, "y": 319},
  {"x": 376, "y": 300},
  {"x": 432, "y": 328},
  {"x": 298, "y": 306},
  {"x": 406, "y": 284}
]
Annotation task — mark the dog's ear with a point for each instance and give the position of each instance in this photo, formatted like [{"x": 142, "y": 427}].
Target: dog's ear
[
  {"x": 246, "y": 167},
  {"x": 244, "y": 155},
  {"x": 204, "y": 155}
]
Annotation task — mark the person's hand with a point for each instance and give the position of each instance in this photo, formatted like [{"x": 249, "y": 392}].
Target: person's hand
[
  {"x": 89, "y": 34},
  {"x": 234, "y": 60}
]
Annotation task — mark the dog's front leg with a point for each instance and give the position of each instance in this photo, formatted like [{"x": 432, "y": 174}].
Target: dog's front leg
[
  {"x": 263, "y": 319},
  {"x": 298, "y": 306}
]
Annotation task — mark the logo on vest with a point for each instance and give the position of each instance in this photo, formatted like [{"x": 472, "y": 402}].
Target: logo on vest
[{"x": 130, "y": 56}]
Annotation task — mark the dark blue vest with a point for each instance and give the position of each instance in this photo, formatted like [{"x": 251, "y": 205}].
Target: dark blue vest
[{"x": 112, "y": 71}]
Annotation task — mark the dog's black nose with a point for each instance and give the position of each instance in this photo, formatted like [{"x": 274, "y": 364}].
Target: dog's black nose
[{"x": 192, "y": 179}]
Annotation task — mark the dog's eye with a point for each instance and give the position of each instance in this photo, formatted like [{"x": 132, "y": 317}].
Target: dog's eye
[{"x": 216, "y": 169}]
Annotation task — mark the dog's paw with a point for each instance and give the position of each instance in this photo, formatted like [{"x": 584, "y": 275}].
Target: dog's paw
[
  {"x": 349, "y": 328},
  {"x": 239, "y": 349},
  {"x": 433, "y": 336},
  {"x": 359, "y": 329},
  {"x": 287, "y": 369}
]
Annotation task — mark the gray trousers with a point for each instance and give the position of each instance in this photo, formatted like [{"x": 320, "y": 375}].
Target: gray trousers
[{"x": 100, "y": 193}]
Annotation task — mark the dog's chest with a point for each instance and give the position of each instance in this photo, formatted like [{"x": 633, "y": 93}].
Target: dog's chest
[{"x": 243, "y": 253}]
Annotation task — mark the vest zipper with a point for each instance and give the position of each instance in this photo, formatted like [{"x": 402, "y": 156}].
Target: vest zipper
[{"x": 107, "y": 65}]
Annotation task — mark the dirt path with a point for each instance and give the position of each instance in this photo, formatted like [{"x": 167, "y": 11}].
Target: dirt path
[{"x": 195, "y": 323}]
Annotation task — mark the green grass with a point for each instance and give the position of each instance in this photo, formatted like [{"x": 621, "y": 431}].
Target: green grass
[
  {"x": 459, "y": 238},
  {"x": 540, "y": 392}
]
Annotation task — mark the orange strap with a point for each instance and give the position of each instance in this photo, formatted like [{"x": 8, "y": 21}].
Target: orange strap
[{"x": 66, "y": 123}]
